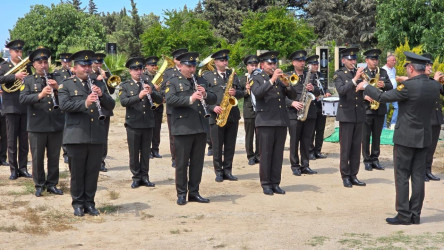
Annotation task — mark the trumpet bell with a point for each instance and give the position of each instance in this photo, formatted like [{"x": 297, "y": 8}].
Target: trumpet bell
[{"x": 113, "y": 81}]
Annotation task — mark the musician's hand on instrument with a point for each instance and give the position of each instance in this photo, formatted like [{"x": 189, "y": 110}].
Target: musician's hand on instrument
[
  {"x": 401, "y": 78},
  {"x": 99, "y": 78},
  {"x": 196, "y": 96},
  {"x": 247, "y": 86},
  {"x": 297, "y": 105},
  {"x": 368, "y": 98},
  {"x": 97, "y": 90},
  {"x": 309, "y": 87},
  {"x": 380, "y": 84},
  {"x": 20, "y": 75},
  {"x": 148, "y": 87},
  {"x": 218, "y": 110},
  {"x": 232, "y": 92},
  {"x": 327, "y": 95},
  {"x": 359, "y": 73},
  {"x": 157, "y": 87},
  {"x": 360, "y": 86},
  {"x": 45, "y": 91},
  {"x": 276, "y": 74},
  {"x": 91, "y": 98},
  {"x": 201, "y": 90},
  {"x": 53, "y": 84},
  {"x": 437, "y": 75},
  {"x": 143, "y": 93}
]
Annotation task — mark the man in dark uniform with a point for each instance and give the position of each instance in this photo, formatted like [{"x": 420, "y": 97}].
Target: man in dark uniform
[
  {"x": 60, "y": 75},
  {"x": 412, "y": 137},
  {"x": 100, "y": 75},
  {"x": 15, "y": 113},
  {"x": 374, "y": 118},
  {"x": 45, "y": 122},
  {"x": 167, "y": 75},
  {"x": 301, "y": 131},
  {"x": 185, "y": 98},
  {"x": 318, "y": 134},
  {"x": 271, "y": 120},
  {"x": 151, "y": 69},
  {"x": 436, "y": 122},
  {"x": 351, "y": 115},
  {"x": 223, "y": 138},
  {"x": 139, "y": 120},
  {"x": 251, "y": 62},
  {"x": 3, "y": 139},
  {"x": 84, "y": 134}
]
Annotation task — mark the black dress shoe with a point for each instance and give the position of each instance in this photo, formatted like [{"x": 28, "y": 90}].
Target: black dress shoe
[
  {"x": 219, "y": 177},
  {"x": 147, "y": 183},
  {"x": 91, "y": 210},
  {"x": 431, "y": 176},
  {"x": 368, "y": 166},
  {"x": 257, "y": 159},
  {"x": 377, "y": 165},
  {"x": 103, "y": 168},
  {"x": 268, "y": 191},
  {"x": 156, "y": 155},
  {"x": 230, "y": 177},
  {"x": 311, "y": 156},
  {"x": 78, "y": 211},
  {"x": 357, "y": 182},
  {"x": 251, "y": 161},
  {"x": 308, "y": 170},
  {"x": 278, "y": 190},
  {"x": 24, "y": 173},
  {"x": 135, "y": 184},
  {"x": 181, "y": 200},
  {"x": 173, "y": 163},
  {"x": 13, "y": 176},
  {"x": 296, "y": 171},
  {"x": 347, "y": 183},
  {"x": 65, "y": 159},
  {"x": 426, "y": 178},
  {"x": 197, "y": 198},
  {"x": 38, "y": 191},
  {"x": 320, "y": 156},
  {"x": 416, "y": 219},
  {"x": 4, "y": 163},
  {"x": 54, "y": 190},
  {"x": 151, "y": 156},
  {"x": 210, "y": 152},
  {"x": 396, "y": 221}
]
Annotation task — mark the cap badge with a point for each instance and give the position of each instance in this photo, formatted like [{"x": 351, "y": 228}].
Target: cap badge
[
  {"x": 351, "y": 52},
  {"x": 86, "y": 57},
  {"x": 191, "y": 58}
]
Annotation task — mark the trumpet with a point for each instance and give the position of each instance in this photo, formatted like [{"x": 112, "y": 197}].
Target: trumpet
[
  {"x": 54, "y": 99},
  {"x": 374, "y": 105},
  {"x": 113, "y": 81},
  {"x": 153, "y": 106},
  {"x": 202, "y": 101},
  {"x": 99, "y": 108},
  {"x": 289, "y": 79}
]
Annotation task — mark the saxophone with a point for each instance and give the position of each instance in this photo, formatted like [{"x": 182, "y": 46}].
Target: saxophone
[
  {"x": 306, "y": 98},
  {"x": 227, "y": 102}
]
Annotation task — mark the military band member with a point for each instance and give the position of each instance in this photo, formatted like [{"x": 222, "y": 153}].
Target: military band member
[
  {"x": 374, "y": 118},
  {"x": 271, "y": 120},
  {"x": 223, "y": 138},
  {"x": 100, "y": 75},
  {"x": 3, "y": 139},
  {"x": 412, "y": 137},
  {"x": 84, "y": 134},
  {"x": 139, "y": 120},
  {"x": 151, "y": 70},
  {"x": 61, "y": 74},
  {"x": 351, "y": 115},
  {"x": 436, "y": 122},
  {"x": 251, "y": 62},
  {"x": 301, "y": 131},
  {"x": 15, "y": 113},
  {"x": 318, "y": 136},
  {"x": 183, "y": 96},
  {"x": 170, "y": 73},
  {"x": 45, "y": 122}
]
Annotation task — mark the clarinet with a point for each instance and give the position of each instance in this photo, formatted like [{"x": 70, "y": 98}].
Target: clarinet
[
  {"x": 54, "y": 99},
  {"x": 202, "y": 101},
  {"x": 99, "y": 108},
  {"x": 153, "y": 107},
  {"x": 320, "y": 87}
]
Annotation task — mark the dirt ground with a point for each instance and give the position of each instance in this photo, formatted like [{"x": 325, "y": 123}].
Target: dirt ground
[{"x": 316, "y": 212}]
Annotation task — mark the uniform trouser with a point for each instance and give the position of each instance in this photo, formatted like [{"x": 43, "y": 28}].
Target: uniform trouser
[
  {"x": 84, "y": 160},
  {"x": 350, "y": 137},
  {"x": 224, "y": 139},
  {"x": 300, "y": 134},
  {"x": 3, "y": 139},
  {"x": 51, "y": 141},
  {"x": 372, "y": 127},
  {"x": 105, "y": 145},
  {"x": 409, "y": 163},
  {"x": 271, "y": 146},
  {"x": 189, "y": 148},
  {"x": 250, "y": 131},
  {"x": 431, "y": 149},
  {"x": 172, "y": 151},
  {"x": 139, "y": 143},
  {"x": 317, "y": 138},
  {"x": 16, "y": 130},
  {"x": 158, "y": 115}
]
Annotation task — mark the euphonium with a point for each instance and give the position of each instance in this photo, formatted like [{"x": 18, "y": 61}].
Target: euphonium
[
  {"x": 206, "y": 65},
  {"x": 158, "y": 78},
  {"x": 21, "y": 66},
  {"x": 227, "y": 102}
]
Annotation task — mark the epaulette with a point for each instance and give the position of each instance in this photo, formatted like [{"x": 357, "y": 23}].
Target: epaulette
[{"x": 256, "y": 72}]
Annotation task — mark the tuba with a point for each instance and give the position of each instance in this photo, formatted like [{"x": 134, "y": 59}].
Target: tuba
[
  {"x": 206, "y": 65},
  {"x": 227, "y": 102},
  {"x": 158, "y": 78},
  {"x": 21, "y": 66}
]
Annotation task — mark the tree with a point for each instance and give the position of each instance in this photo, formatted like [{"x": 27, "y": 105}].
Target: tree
[
  {"x": 59, "y": 27},
  {"x": 92, "y": 8},
  {"x": 136, "y": 30},
  {"x": 420, "y": 21},
  {"x": 76, "y": 4}
]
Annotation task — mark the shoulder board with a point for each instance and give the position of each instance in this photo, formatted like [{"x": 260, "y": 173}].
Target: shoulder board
[{"x": 257, "y": 71}]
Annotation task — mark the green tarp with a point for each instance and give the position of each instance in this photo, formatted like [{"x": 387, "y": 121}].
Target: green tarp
[{"x": 386, "y": 137}]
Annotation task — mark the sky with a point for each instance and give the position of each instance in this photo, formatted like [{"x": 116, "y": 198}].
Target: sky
[{"x": 13, "y": 9}]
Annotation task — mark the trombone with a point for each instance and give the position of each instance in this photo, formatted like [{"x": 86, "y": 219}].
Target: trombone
[{"x": 114, "y": 80}]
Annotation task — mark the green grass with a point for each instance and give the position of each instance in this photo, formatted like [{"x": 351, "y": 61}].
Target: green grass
[
  {"x": 8, "y": 229},
  {"x": 317, "y": 241},
  {"x": 109, "y": 209}
]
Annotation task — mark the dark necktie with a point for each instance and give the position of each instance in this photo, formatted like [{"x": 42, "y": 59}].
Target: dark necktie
[
  {"x": 85, "y": 85},
  {"x": 373, "y": 73},
  {"x": 224, "y": 76}
]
